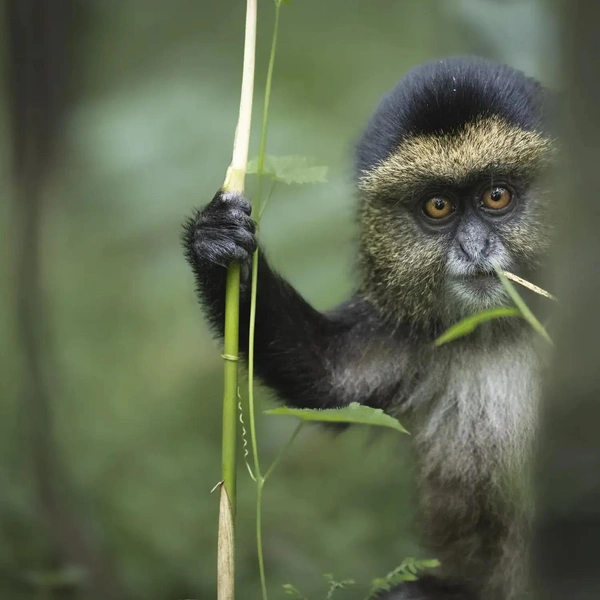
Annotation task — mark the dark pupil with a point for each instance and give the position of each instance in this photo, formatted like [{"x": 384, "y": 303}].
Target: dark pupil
[
  {"x": 439, "y": 204},
  {"x": 497, "y": 194}
]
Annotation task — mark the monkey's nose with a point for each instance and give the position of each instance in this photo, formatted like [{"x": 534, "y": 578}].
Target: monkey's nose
[{"x": 475, "y": 250}]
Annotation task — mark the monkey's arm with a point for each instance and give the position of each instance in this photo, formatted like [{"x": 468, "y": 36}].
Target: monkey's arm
[{"x": 311, "y": 359}]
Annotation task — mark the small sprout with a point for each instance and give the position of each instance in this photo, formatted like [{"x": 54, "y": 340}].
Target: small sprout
[
  {"x": 336, "y": 585},
  {"x": 406, "y": 571}
]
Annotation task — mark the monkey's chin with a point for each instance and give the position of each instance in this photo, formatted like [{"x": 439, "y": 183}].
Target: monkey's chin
[{"x": 471, "y": 294}]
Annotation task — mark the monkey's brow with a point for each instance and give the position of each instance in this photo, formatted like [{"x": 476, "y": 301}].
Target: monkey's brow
[
  {"x": 406, "y": 190},
  {"x": 486, "y": 148}
]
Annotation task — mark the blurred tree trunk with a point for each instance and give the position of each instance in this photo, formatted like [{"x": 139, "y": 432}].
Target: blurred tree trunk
[
  {"x": 41, "y": 62},
  {"x": 567, "y": 549}
]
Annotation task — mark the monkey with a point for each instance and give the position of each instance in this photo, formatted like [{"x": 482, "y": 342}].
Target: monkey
[{"x": 450, "y": 186}]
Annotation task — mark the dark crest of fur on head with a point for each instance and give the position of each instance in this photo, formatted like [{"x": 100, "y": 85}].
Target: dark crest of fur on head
[{"x": 442, "y": 96}]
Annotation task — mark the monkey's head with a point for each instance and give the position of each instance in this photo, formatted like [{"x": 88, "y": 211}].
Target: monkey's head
[{"x": 448, "y": 171}]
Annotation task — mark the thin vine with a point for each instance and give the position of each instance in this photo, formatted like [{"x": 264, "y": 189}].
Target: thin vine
[{"x": 257, "y": 213}]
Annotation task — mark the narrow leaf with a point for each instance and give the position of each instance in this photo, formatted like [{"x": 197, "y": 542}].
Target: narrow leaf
[
  {"x": 291, "y": 169},
  {"x": 469, "y": 324},
  {"x": 525, "y": 311},
  {"x": 354, "y": 413}
]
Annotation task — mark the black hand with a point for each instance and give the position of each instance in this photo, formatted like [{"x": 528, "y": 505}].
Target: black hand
[{"x": 220, "y": 234}]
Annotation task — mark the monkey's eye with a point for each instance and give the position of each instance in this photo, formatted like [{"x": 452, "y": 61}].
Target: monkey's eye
[
  {"x": 438, "y": 207},
  {"x": 496, "y": 198}
]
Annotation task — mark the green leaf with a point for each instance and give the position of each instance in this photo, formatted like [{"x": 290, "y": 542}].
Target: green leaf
[
  {"x": 469, "y": 324},
  {"x": 353, "y": 413},
  {"x": 291, "y": 169},
  {"x": 431, "y": 563},
  {"x": 406, "y": 571},
  {"x": 336, "y": 585},
  {"x": 525, "y": 311},
  {"x": 290, "y": 590}
]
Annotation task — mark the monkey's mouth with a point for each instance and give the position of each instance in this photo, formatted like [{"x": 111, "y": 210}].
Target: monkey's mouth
[
  {"x": 484, "y": 281},
  {"x": 476, "y": 275},
  {"x": 482, "y": 275}
]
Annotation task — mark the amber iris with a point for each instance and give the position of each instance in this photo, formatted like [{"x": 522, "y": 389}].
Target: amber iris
[
  {"x": 438, "y": 208},
  {"x": 496, "y": 198}
]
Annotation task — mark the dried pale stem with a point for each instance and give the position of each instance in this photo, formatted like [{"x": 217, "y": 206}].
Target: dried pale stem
[{"x": 530, "y": 286}]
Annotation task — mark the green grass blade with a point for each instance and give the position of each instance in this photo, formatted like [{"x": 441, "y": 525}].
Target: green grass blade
[
  {"x": 469, "y": 324},
  {"x": 520, "y": 303}
]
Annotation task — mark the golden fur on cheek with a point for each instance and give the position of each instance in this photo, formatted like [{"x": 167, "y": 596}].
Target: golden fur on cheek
[{"x": 399, "y": 263}]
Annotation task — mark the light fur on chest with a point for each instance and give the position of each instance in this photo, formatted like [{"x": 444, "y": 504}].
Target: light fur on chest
[{"x": 476, "y": 408}]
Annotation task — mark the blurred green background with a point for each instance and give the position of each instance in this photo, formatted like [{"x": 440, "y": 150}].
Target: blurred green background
[{"x": 133, "y": 374}]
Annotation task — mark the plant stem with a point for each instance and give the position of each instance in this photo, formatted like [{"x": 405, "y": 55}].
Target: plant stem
[
  {"x": 256, "y": 210},
  {"x": 283, "y": 451},
  {"x": 260, "y": 167},
  {"x": 260, "y": 482},
  {"x": 234, "y": 182},
  {"x": 228, "y": 453},
  {"x": 236, "y": 173},
  {"x": 522, "y": 306}
]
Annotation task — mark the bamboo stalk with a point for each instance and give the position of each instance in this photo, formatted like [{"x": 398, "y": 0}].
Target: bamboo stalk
[{"x": 234, "y": 182}]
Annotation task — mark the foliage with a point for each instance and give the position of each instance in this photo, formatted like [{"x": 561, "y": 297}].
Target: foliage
[
  {"x": 290, "y": 590},
  {"x": 406, "y": 571},
  {"x": 354, "y": 413},
  {"x": 336, "y": 585},
  {"x": 469, "y": 324},
  {"x": 291, "y": 169},
  {"x": 333, "y": 586},
  {"x": 520, "y": 303}
]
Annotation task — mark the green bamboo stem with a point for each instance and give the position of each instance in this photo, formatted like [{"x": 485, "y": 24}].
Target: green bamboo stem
[
  {"x": 230, "y": 355},
  {"x": 234, "y": 182}
]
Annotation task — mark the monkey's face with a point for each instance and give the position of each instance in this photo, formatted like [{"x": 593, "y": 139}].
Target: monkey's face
[{"x": 443, "y": 212}]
